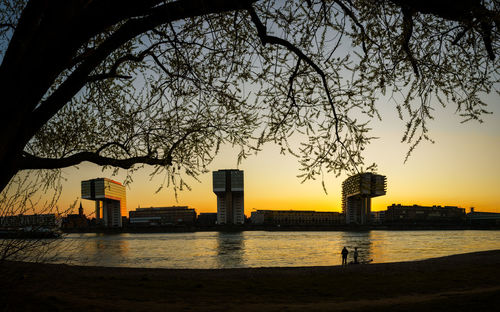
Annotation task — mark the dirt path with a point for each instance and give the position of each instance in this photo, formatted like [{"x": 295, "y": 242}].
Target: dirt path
[{"x": 468, "y": 282}]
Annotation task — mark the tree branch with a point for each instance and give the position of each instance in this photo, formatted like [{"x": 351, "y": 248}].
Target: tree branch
[
  {"x": 265, "y": 38},
  {"x": 486, "y": 28},
  {"x": 290, "y": 95},
  {"x": 463, "y": 11},
  {"x": 460, "y": 35},
  {"x": 7, "y": 25},
  {"x": 109, "y": 75},
  {"x": 161, "y": 14},
  {"x": 112, "y": 73},
  {"x": 29, "y": 161},
  {"x": 120, "y": 145},
  {"x": 353, "y": 17},
  {"x": 406, "y": 34}
]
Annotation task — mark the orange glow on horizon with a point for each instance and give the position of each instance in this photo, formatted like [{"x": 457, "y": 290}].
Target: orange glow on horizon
[{"x": 460, "y": 169}]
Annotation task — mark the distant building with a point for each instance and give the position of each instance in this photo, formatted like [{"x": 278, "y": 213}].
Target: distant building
[
  {"x": 424, "y": 214},
  {"x": 378, "y": 217},
  {"x": 75, "y": 221},
  {"x": 172, "y": 215},
  {"x": 207, "y": 218},
  {"x": 295, "y": 217},
  {"x": 483, "y": 218},
  {"x": 228, "y": 186},
  {"x": 48, "y": 221},
  {"x": 110, "y": 200},
  {"x": 357, "y": 192}
]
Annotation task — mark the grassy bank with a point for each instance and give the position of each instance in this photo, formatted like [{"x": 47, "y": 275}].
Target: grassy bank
[{"x": 456, "y": 283}]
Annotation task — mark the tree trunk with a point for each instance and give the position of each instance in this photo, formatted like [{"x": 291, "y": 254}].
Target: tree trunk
[{"x": 45, "y": 43}]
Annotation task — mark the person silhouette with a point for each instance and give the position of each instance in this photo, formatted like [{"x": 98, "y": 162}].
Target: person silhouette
[
  {"x": 344, "y": 256},
  {"x": 355, "y": 255}
]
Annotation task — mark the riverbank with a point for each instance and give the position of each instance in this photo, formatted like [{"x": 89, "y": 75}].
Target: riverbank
[{"x": 464, "y": 282}]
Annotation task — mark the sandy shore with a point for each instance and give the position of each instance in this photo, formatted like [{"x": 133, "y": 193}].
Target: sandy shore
[{"x": 467, "y": 282}]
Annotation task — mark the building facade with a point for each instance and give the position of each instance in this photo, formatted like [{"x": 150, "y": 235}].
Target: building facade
[
  {"x": 110, "y": 200},
  {"x": 163, "y": 216},
  {"x": 483, "y": 218},
  {"x": 378, "y": 217},
  {"x": 207, "y": 219},
  {"x": 228, "y": 186},
  {"x": 35, "y": 221},
  {"x": 296, "y": 217},
  {"x": 416, "y": 214},
  {"x": 75, "y": 221},
  {"x": 357, "y": 192}
]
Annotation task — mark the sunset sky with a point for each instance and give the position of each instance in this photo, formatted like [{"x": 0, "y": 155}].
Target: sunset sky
[{"x": 461, "y": 169}]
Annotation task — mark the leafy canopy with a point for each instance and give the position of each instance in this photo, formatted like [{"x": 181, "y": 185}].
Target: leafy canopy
[{"x": 254, "y": 72}]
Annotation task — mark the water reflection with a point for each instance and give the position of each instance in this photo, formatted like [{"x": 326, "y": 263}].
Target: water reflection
[
  {"x": 267, "y": 249},
  {"x": 230, "y": 250},
  {"x": 363, "y": 241},
  {"x": 101, "y": 248}
]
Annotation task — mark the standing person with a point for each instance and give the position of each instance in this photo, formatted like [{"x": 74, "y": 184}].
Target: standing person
[
  {"x": 344, "y": 256},
  {"x": 355, "y": 255}
]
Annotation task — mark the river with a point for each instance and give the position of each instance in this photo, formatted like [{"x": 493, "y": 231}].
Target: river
[{"x": 207, "y": 250}]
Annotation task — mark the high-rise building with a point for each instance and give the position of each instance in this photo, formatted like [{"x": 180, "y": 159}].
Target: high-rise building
[
  {"x": 228, "y": 186},
  {"x": 110, "y": 200},
  {"x": 357, "y": 192}
]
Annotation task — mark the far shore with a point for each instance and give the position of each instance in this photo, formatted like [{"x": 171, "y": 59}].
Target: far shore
[
  {"x": 465, "y": 282},
  {"x": 275, "y": 228}
]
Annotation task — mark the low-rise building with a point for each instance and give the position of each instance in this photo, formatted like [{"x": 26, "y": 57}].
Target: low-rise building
[
  {"x": 295, "y": 217},
  {"x": 173, "y": 215},
  {"x": 378, "y": 217},
  {"x": 47, "y": 220},
  {"x": 424, "y": 214},
  {"x": 483, "y": 218},
  {"x": 207, "y": 218},
  {"x": 75, "y": 221}
]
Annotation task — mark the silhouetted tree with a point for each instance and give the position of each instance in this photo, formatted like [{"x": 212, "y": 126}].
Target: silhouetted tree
[{"x": 165, "y": 83}]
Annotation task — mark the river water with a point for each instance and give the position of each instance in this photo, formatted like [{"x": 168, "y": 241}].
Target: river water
[{"x": 266, "y": 249}]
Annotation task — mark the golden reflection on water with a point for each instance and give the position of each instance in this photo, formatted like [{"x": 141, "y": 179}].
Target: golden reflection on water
[
  {"x": 98, "y": 248},
  {"x": 230, "y": 249},
  {"x": 363, "y": 241},
  {"x": 269, "y": 249}
]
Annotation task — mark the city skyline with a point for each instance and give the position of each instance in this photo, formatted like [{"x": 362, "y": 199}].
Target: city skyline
[
  {"x": 460, "y": 169},
  {"x": 191, "y": 155}
]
